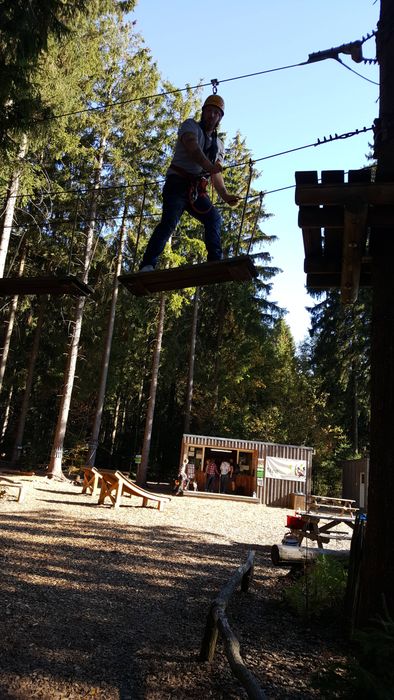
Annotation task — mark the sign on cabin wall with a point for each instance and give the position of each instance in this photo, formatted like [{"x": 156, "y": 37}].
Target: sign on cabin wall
[
  {"x": 281, "y": 468},
  {"x": 260, "y": 471}
]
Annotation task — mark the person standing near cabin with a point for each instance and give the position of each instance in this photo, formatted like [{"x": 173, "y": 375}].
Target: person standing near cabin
[
  {"x": 225, "y": 473},
  {"x": 198, "y": 156},
  {"x": 211, "y": 474}
]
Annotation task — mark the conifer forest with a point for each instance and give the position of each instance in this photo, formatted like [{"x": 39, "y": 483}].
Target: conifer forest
[{"x": 86, "y": 137}]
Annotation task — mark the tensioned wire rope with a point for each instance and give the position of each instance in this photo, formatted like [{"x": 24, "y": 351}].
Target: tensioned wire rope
[
  {"x": 144, "y": 184},
  {"x": 214, "y": 82},
  {"x": 78, "y": 192}
]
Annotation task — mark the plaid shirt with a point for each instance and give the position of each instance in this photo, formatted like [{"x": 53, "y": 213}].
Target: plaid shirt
[{"x": 211, "y": 468}]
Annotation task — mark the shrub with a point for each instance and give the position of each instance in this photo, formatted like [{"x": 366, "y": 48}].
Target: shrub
[{"x": 322, "y": 587}]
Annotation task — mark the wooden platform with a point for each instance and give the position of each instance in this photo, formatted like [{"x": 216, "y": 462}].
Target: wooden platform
[
  {"x": 238, "y": 269},
  {"x": 67, "y": 284},
  {"x": 337, "y": 219}
]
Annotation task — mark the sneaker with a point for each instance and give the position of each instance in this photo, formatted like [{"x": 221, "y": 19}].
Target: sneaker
[{"x": 147, "y": 268}]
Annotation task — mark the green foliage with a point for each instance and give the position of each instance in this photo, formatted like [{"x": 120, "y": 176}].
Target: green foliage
[
  {"x": 248, "y": 380},
  {"x": 338, "y": 361},
  {"x": 320, "y": 589},
  {"x": 369, "y": 675},
  {"x": 375, "y": 670}
]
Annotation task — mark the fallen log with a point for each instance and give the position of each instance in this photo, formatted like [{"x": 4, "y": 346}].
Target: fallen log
[{"x": 285, "y": 555}]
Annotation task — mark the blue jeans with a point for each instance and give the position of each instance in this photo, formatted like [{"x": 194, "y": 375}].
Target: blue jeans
[
  {"x": 175, "y": 202},
  {"x": 209, "y": 486}
]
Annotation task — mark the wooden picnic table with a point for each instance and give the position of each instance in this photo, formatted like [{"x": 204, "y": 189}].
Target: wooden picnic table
[
  {"x": 325, "y": 504},
  {"x": 318, "y": 527}
]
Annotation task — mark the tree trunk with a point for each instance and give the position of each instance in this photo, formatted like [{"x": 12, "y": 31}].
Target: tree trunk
[
  {"x": 7, "y": 411},
  {"x": 215, "y": 383},
  {"x": 143, "y": 467},
  {"x": 192, "y": 355},
  {"x": 92, "y": 451},
  {"x": 18, "y": 441},
  {"x": 377, "y": 571},
  {"x": 10, "y": 325},
  {"x": 9, "y": 206},
  {"x": 355, "y": 411},
  {"x": 55, "y": 464}
]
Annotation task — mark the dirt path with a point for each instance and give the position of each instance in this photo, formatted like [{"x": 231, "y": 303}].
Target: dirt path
[{"x": 111, "y": 604}]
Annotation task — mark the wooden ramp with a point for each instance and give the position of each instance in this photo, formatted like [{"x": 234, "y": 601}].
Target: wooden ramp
[
  {"x": 115, "y": 485},
  {"x": 238, "y": 269},
  {"x": 67, "y": 284}
]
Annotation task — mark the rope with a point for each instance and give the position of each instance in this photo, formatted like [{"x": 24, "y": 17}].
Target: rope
[
  {"x": 244, "y": 207},
  {"x": 78, "y": 192},
  {"x": 139, "y": 226},
  {"x": 261, "y": 195},
  {"x": 355, "y": 72},
  {"x": 213, "y": 83}
]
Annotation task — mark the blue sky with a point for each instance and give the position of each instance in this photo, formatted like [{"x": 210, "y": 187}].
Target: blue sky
[{"x": 277, "y": 111}]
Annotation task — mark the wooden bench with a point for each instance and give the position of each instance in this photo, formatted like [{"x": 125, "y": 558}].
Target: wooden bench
[
  {"x": 10, "y": 484},
  {"x": 115, "y": 485}
]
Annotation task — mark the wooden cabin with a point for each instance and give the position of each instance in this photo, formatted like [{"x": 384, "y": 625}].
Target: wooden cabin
[
  {"x": 355, "y": 473},
  {"x": 279, "y": 475}
]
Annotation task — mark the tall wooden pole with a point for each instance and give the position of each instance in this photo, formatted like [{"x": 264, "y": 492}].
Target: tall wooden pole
[{"x": 377, "y": 577}]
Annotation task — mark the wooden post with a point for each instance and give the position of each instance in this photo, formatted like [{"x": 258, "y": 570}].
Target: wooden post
[{"x": 377, "y": 574}]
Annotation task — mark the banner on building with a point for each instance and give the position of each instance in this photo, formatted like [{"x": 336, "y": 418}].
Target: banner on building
[{"x": 281, "y": 468}]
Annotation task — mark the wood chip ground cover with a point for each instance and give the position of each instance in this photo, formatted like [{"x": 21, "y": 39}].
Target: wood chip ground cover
[{"x": 111, "y": 604}]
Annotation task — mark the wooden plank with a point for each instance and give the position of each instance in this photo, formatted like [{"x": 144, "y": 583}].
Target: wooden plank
[
  {"x": 67, "y": 284},
  {"x": 322, "y": 217},
  {"x": 129, "y": 486},
  {"x": 322, "y": 265},
  {"x": 379, "y": 194},
  {"x": 311, "y": 233},
  {"x": 238, "y": 269},
  {"x": 321, "y": 281},
  {"x": 333, "y": 238}
]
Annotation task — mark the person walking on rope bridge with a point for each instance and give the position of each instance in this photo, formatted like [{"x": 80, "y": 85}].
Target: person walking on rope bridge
[{"x": 198, "y": 156}]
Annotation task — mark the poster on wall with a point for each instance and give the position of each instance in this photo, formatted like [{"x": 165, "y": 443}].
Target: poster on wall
[
  {"x": 260, "y": 471},
  {"x": 281, "y": 468}
]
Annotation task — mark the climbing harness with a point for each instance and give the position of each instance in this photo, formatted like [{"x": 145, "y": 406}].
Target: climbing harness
[{"x": 197, "y": 190}]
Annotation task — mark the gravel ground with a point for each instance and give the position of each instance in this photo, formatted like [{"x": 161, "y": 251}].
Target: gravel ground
[{"x": 111, "y": 604}]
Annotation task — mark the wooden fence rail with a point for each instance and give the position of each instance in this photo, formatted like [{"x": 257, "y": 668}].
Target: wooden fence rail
[{"x": 217, "y": 622}]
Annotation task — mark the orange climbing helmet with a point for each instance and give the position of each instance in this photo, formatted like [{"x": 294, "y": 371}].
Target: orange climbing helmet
[{"x": 215, "y": 101}]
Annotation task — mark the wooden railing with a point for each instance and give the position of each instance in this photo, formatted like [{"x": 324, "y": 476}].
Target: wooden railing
[{"x": 217, "y": 622}]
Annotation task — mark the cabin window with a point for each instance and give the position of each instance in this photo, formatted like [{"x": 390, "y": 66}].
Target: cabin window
[
  {"x": 195, "y": 455},
  {"x": 245, "y": 462}
]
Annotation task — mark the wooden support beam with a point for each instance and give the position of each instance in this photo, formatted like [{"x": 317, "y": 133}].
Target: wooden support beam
[{"x": 355, "y": 234}]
